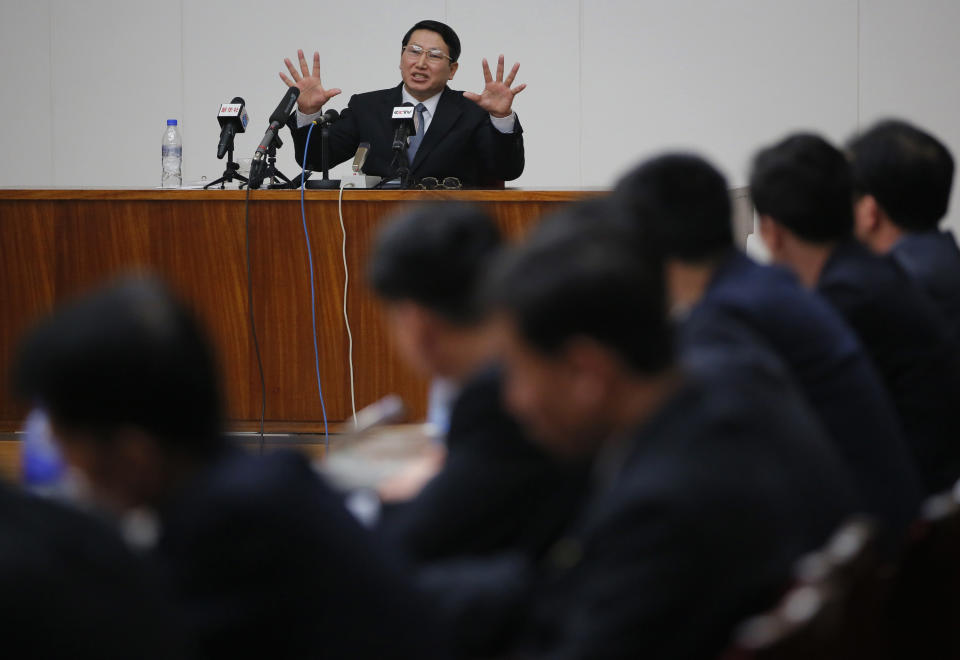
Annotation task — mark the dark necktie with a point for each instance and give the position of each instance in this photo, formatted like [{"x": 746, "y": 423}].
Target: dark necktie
[{"x": 418, "y": 138}]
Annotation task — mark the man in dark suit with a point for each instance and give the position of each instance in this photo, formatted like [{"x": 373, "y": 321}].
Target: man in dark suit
[
  {"x": 475, "y": 138},
  {"x": 497, "y": 491},
  {"x": 903, "y": 177},
  {"x": 261, "y": 557},
  {"x": 802, "y": 188},
  {"x": 680, "y": 207},
  {"x": 69, "y": 587},
  {"x": 706, "y": 488}
]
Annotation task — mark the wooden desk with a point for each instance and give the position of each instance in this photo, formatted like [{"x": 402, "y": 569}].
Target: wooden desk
[
  {"x": 9, "y": 459},
  {"x": 55, "y": 243},
  {"x": 360, "y": 460}
]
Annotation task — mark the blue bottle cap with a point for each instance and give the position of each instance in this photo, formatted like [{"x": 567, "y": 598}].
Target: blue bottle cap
[{"x": 171, "y": 122}]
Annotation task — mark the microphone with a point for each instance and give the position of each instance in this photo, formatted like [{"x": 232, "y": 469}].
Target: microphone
[
  {"x": 287, "y": 103},
  {"x": 327, "y": 118},
  {"x": 388, "y": 410},
  {"x": 233, "y": 119},
  {"x": 356, "y": 177},
  {"x": 403, "y": 126},
  {"x": 277, "y": 120},
  {"x": 360, "y": 157}
]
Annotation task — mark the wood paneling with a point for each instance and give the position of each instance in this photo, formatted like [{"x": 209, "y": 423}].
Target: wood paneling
[
  {"x": 28, "y": 256},
  {"x": 56, "y": 243},
  {"x": 10, "y": 460}
]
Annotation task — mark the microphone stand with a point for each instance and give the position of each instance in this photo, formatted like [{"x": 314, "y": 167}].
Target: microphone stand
[
  {"x": 400, "y": 174},
  {"x": 232, "y": 173},
  {"x": 403, "y": 166},
  {"x": 272, "y": 173},
  {"x": 326, "y": 183},
  {"x": 261, "y": 170}
]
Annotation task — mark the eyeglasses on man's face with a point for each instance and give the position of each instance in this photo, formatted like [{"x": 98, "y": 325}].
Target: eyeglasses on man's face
[{"x": 435, "y": 55}]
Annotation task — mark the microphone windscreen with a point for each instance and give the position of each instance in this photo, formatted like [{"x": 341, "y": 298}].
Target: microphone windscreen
[{"x": 286, "y": 106}]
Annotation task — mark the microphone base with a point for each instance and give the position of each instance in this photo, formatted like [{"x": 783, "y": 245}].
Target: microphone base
[
  {"x": 322, "y": 184},
  {"x": 359, "y": 181},
  {"x": 319, "y": 184}
]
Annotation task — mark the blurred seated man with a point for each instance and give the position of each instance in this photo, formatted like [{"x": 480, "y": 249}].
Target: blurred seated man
[
  {"x": 262, "y": 558},
  {"x": 497, "y": 490},
  {"x": 902, "y": 178},
  {"x": 704, "y": 491},
  {"x": 69, "y": 587},
  {"x": 680, "y": 206},
  {"x": 803, "y": 190}
]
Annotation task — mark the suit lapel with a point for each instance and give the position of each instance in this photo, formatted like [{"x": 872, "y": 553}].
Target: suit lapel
[
  {"x": 448, "y": 111},
  {"x": 395, "y": 97}
]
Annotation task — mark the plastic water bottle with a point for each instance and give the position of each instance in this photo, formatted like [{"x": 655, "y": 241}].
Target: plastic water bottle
[
  {"x": 43, "y": 466},
  {"x": 172, "y": 156}
]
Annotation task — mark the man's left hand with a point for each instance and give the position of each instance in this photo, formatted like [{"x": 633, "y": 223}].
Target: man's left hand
[{"x": 497, "y": 96}]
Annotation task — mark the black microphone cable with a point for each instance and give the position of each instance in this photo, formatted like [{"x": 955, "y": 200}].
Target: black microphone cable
[{"x": 253, "y": 323}]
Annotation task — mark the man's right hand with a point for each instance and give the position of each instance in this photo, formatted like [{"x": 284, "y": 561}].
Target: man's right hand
[{"x": 312, "y": 94}]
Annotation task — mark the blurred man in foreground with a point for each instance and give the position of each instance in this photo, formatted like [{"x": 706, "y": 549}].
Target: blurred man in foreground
[
  {"x": 803, "y": 190},
  {"x": 680, "y": 206},
  {"x": 497, "y": 490},
  {"x": 703, "y": 492},
  {"x": 261, "y": 557},
  {"x": 903, "y": 177}
]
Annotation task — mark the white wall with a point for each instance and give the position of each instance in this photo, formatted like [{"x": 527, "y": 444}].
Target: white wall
[
  {"x": 909, "y": 53},
  {"x": 87, "y": 85}
]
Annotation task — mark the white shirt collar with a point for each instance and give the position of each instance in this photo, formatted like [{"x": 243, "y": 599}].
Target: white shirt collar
[{"x": 430, "y": 104}]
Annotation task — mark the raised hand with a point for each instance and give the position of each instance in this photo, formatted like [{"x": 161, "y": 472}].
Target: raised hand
[
  {"x": 497, "y": 96},
  {"x": 312, "y": 94}
]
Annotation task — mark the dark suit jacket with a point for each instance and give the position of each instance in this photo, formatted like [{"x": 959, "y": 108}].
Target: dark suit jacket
[
  {"x": 909, "y": 344},
  {"x": 266, "y": 562},
  {"x": 765, "y": 306},
  {"x": 695, "y": 524},
  {"x": 70, "y": 588},
  {"x": 932, "y": 259},
  {"x": 497, "y": 491},
  {"x": 461, "y": 141}
]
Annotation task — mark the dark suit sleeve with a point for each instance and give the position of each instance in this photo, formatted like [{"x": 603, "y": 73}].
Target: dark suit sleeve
[
  {"x": 344, "y": 138},
  {"x": 638, "y": 560},
  {"x": 496, "y": 492},
  {"x": 70, "y": 587},
  {"x": 650, "y": 583},
  {"x": 502, "y": 152},
  {"x": 481, "y": 503},
  {"x": 273, "y": 566}
]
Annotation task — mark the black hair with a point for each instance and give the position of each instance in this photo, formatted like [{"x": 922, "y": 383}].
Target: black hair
[
  {"x": 436, "y": 255},
  {"x": 804, "y": 183},
  {"x": 680, "y": 205},
  {"x": 575, "y": 277},
  {"x": 128, "y": 354},
  {"x": 446, "y": 33},
  {"x": 907, "y": 170}
]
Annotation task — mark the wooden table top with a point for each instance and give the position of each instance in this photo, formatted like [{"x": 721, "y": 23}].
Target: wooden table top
[{"x": 180, "y": 194}]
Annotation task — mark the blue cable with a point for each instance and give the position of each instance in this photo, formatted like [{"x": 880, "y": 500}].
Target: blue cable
[{"x": 313, "y": 296}]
